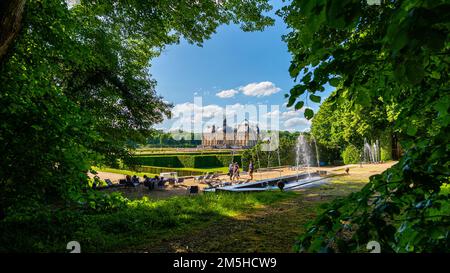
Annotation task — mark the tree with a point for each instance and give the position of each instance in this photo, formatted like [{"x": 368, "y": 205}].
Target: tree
[
  {"x": 337, "y": 124},
  {"x": 11, "y": 13},
  {"x": 262, "y": 159},
  {"x": 76, "y": 89},
  {"x": 396, "y": 52}
]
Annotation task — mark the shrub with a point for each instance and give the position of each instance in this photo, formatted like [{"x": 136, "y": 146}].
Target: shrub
[
  {"x": 206, "y": 161},
  {"x": 159, "y": 161},
  {"x": 187, "y": 161},
  {"x": 351, "y": 155},
  {"x": 225, "y": 160},
  {"x": 386, "y": 147}
]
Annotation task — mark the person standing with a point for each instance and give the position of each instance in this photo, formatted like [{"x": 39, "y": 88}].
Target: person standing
[
  {"x": 231, "y": 171},
  {"x": 236, "y": 170},
  {"x": 250, "y": 169}
]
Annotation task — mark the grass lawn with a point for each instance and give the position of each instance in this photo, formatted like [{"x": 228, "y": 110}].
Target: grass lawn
[
  {"x": 164, "y": 151},
  {"x": 124, "y": 172},
  {"x": 208, "y": 222},
  {"x": 136, "y": 222},
  {"x": 128, "y": 172},
  {"x": 146, "y": 222},
  {"x": 270, "y": 227},
  {"x": 206, "y": 170}
]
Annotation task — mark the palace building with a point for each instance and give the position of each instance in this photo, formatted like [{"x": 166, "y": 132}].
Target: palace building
[{"x": 244, "y": 135}]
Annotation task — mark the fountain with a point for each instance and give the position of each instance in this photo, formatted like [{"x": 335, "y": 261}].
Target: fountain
[
  {"x": 307, "y": 155},
  {"x": 304, "y": 154},
  {"x": 317, "y": 153},
  {"x": 371, "y": 152}
]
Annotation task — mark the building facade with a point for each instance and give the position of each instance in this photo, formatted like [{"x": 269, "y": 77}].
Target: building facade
[{"x": 244, "y": 135}]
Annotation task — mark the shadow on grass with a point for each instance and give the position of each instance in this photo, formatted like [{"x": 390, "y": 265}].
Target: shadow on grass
[
  {"x": 140, "y": 221},
  {"x": 212, "y": 222}
]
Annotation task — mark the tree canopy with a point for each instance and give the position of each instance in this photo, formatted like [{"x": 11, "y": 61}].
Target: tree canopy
[
  {"x": 76, "y": 87},
  {"x": 340, "y": 124}
]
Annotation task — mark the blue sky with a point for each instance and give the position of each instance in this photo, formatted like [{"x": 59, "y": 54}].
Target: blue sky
[{"x": 233, "y": 68}]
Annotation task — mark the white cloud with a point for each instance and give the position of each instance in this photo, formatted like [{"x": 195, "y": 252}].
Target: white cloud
[
  {"x": 291, "y": 114},
  {"x": 293, "y": 122},
  {"x": 273, "y": 114},
  {"x": 260, "y": 89},
  {"x": 227, "y": 93},
  {"x": 209, "y": 111}
]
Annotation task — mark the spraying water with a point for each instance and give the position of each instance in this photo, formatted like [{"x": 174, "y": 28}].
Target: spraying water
[
  {"x": 317, "y": 153},
  {"x": 371, "y": 152},
  {"x": 303, "y": 156}
]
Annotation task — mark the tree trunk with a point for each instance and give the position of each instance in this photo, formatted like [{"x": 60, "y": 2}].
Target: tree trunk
[{"x": 11, "y": 12}]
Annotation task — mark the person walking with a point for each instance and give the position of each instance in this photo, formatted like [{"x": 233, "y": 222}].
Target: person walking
[
  {"x": 250, "y": 169},
  {"x": 236, "y": 170},
  {"x": 231, "y": 171}
]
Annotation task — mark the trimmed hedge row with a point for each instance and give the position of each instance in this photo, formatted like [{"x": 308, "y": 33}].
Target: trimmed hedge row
[
  {"x": 180, "y": 173},
  {"x": 187, "y": 161},
  {"x": 181, "y": 153},
  {"x": 159, "y": 161}
]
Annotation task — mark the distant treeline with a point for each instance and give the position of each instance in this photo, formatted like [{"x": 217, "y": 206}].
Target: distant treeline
[{"x": 176, "y": 140}]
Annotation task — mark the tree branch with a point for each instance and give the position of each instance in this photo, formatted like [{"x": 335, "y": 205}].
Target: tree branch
[{"x": 11, "y": 13}]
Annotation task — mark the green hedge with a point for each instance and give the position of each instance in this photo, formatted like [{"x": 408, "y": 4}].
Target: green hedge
[
  {"x": 225, "y": 160},
  {"x": 187, "y": 161},
  {"x": 351, "y": 155},
  {"x": 180, "y": 153},
  {"x": 386, "y": 147},
  {"x": 159, "y": 161}
]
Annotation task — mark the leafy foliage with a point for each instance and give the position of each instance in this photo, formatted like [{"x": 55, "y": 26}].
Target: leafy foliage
[
  {"x": 112, "y": 223},
  {"x": 396, "y": 53},
  {"x": 351, "y": 155},
  {"x": 76, "y": 89},
  {"x": 338, "y": 124},
  {"x": 263, "y": 159}
]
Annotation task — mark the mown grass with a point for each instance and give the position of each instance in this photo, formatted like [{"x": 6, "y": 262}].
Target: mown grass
[
  {"x": 205, "y": 170},
  {"x": 141, "y": 174},
  {"x": 124, "y": 172},
  {"x": 138, "y": 221},
  {"x": 164, "y": 151}
]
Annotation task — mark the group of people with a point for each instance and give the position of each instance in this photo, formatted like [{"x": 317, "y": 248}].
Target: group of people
[
  {"x": 131, "y": 181},
  {"x": 153, "y": 183},
  {"x": 234, "y": 173}
]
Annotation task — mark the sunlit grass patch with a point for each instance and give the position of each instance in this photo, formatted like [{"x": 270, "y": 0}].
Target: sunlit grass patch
[{"x": 132, "y": 223}]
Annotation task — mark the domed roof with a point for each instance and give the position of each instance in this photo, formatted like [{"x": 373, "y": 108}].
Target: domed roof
[
  {"x": 228, "y": 130},
  {"x": 247, "y": 126}
]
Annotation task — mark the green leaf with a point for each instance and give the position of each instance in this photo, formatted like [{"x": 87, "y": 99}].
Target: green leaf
[
  {"x": 299, "y": 105},
  {"x": 435, "y": 75},
  {"x": 291, "y": 101},
  {"x": 309, "y": 113},
  {"x": 335, "y": 82},
  {"x": 298, "y": 90},
  {"x": 412, "y": 130},
  {"x": 414, "y": 72},
  {"x": 37, "y": 127}
]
